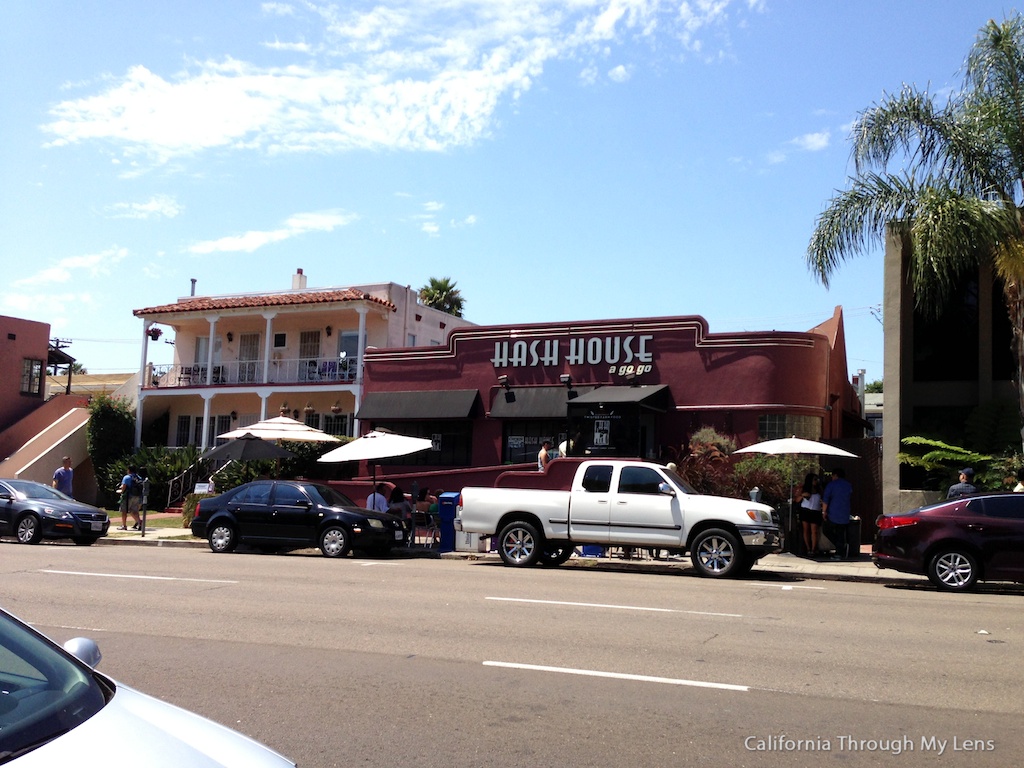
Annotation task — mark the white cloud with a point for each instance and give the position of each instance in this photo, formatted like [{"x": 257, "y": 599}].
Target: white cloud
[
  {"x": 812, "y": 142},
  {"x": 158, "y": 206},
  {"x": 92, "y": 265},
  {"x": 431, "y": 228},
  {"x": 619, "y": 74},
  {"x": 433, "y": 206},
  {"x": 411, "y": 76},
  {"x": 298, "y": 224}
]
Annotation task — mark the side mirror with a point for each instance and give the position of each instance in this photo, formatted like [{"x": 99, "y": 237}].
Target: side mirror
[
  {"x": 84, "y": 649},
  {"x": 666, "y": 489}
]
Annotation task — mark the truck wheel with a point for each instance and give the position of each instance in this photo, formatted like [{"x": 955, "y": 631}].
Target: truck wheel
[
  {"x": 553, "y": 556},
  {"x": 520, "y": 544},
  {"x": 717, "y": 553}
]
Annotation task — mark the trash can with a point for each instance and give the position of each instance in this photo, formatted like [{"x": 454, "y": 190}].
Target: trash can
[
  {"x": 853, "y": 538},
  {"x": 446, "y": 504}
]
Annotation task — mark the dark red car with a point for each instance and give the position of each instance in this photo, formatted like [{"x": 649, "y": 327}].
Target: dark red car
[{"x": 957, "y": 542}]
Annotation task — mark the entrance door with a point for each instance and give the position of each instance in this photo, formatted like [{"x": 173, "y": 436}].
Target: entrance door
[{"x": 248, "y": 357}]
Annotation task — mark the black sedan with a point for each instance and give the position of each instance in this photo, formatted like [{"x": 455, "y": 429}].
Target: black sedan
[
  {"x": 293, "y": 514},
  {"x": 957, "y": 542},
  {"x": 32, "y": 512}
]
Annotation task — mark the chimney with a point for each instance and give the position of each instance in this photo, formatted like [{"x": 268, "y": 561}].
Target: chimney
[
  {"x": 193, "y": 286},
  {"x": 298, "y": 280}
]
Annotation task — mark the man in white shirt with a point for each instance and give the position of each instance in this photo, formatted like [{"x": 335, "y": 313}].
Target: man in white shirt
[{"x": 377, "y": 501}]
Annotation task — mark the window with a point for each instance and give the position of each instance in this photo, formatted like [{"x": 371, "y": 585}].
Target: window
[
  {"x": 181, "y": 431},
  {"x": 411, "y": 340},
  {"x": 639, "y": 480},
  {"x": 289, "y": 496},
  {"x": 32, "y": 377},
  {"x": 453, "y": 448},
  {"x": 257, "y": 493},
  {"x": 313, "y": 420},
  {"x": 309, "y": 344},
  {"x": 772, "y": 426},
  {"x": 336, "y": 425},
  {"x": 280, "y": 340},
  {"x": 598, "y": 479}
]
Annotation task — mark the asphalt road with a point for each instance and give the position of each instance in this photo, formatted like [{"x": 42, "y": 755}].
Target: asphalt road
[{"x": 450, "y": 663}]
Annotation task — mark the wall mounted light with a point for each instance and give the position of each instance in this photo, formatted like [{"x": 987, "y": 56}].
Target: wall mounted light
[
  {"x": 566, "y": 379},
  {"x": 295, "y": 414},
  {"x": 329, "y": 330},
  {"x": 234, "y": 415},
  {"x": 231, "y": 337},
  {"x": 510, "y": 396}
]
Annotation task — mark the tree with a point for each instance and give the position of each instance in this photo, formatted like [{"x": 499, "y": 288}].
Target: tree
[
  {"x": 955, "y": 200},
  {"x": 110, "y": 434},
  {"x": 441, "y": 293},
  {"x": 873, "y": 387}
]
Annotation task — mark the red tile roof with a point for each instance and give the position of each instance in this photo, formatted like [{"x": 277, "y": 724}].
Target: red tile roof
[{"x": 259, "y": 301}]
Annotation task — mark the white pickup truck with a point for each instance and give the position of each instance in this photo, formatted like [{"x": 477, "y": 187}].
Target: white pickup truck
[{"x": 540, "y": 517}]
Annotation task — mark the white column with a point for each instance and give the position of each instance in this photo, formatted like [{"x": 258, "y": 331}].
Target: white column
[
  {"x": 209, "y": 351},
  {"x": 146, "y": 325},
  {"x": 207, "y": 396},
  {"x": 357, "y": 390},
  {"x": 267, "y": 334}
]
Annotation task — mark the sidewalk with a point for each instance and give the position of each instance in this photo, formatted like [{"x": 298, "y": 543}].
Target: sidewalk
[{"x": 785, "y": 565}]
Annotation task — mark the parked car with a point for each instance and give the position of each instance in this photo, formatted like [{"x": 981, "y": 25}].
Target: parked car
[
  {"x": 55, "y": 709},
  {"x": 32, "y": 512},
  {"x": 293, "y": 514},
  {"x": 957, "y": 542}
]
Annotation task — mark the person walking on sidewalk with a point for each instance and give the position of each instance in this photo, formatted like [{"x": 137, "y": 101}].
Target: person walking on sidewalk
[
  {"x": 835, "y": 509},
  {"x": 63, "y": 477},
  {"x": 131, "y": 498}
]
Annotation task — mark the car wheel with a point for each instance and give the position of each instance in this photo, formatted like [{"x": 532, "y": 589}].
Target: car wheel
[
  {"x": 717, "y": 553},
  {"x": 335, "y": 541},
  {"x": 85, "y": 541},
  {"x": 28, "y": 529},
  {"x": 554, "y": 556},
  {"x": 953, "y": 570},
  {"x": 519, "y": 544},
  {"x": 222, "y": 538}
]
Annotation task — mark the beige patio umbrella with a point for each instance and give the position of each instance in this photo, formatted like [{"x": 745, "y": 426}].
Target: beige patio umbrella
[{"x": 281, "y": 428}]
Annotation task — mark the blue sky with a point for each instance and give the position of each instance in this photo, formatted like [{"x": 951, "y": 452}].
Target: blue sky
[{"x": 559, "y": 160}]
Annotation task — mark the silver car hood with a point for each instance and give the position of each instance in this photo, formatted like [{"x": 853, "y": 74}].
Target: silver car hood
[{"x": 137, "y": 730}]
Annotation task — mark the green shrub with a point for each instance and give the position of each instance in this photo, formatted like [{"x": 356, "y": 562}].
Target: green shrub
[{"x": 188, "y": 507}]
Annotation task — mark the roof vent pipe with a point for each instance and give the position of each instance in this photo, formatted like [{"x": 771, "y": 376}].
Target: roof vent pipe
[{"x": 193, "y": 287}]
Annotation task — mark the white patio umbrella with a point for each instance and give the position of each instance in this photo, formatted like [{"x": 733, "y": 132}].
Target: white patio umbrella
[
  {"x": 281, "y": 428},
  {"x": 378, "y": 444},
  {"x": 795, "y": 446}
]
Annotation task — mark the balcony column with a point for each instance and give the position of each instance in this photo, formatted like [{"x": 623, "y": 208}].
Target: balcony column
[
  {"x": 207, "y": 396},
  {"x": 212, "y": 320},
  {"x": 146, "y": 325},
  {"x": 267, "y": 336},
  {"x": 357, "y": 389}
]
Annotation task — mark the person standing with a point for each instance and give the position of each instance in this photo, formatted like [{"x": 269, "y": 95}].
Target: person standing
[
  {"x": 543, "y": 457},
  {"x": 63, "y": 477},
  {"x": 965, "y": 486},
  {"x": 131, "y": 498},
  {"x": 835, "y": 509},
  {"x": 377, "y": 501},
  {"x": 810, "y": 513},
  {"x": 402, "y": 508}
]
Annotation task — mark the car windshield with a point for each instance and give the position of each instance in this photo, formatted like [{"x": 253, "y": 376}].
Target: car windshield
[
  {"x": 331, "y": 497},
  {"x": 43, "y": 692},
  {"x": 27, "y": 489}
]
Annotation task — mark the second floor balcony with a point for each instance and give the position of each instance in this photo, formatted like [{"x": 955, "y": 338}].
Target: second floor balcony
[{"x": 250, "y": 372}]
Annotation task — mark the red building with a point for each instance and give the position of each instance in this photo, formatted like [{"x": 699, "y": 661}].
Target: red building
[{"x": 638, "y": 387}]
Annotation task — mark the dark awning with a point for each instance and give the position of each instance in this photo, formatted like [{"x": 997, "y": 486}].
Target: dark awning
[
  {"x": 56, "y": 356},
  {"x": 429, "y": 404},
  {"x": 649, "y": 395},
  {"x": 534, "y": 403}
]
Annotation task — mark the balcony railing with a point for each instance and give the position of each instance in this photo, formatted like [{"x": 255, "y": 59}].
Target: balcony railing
[{"x": 292, "y": 371}]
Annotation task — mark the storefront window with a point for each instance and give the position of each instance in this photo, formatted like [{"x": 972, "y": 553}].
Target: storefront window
[
  {"x": 453, "y": 441},
  {"x": 523, "y": 439}
]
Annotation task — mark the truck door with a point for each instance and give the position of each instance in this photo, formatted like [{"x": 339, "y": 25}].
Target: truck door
[
  {"x": 590, "y": 504},
  {"x": 641, "y": 513}
]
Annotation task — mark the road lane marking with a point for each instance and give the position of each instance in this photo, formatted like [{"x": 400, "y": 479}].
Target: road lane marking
[
  {"x": 616, "y": 607},
  {"x": 619, "y": 676},
  {"x": 135, "y": 576}
]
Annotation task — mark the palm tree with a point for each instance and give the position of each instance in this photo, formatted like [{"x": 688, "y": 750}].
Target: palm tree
[
  {"x": 441, "y": 293},
  {"x": 955, "y": 200}
]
